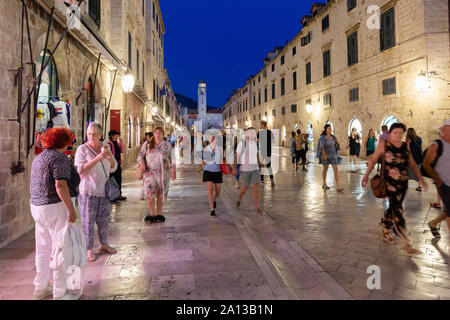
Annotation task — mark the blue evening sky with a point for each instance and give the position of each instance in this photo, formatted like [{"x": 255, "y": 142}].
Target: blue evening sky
[{"x": 224, "y": 41}]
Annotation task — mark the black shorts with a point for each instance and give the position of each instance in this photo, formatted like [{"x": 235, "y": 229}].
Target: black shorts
[
  {"x": 214, "y": 177},
  {"x": 444, "y": 192},
  {"x": 370, "y": 152}
]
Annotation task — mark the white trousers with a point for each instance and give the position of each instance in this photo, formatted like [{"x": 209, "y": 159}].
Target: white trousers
[{"x": 49, "y": 221}]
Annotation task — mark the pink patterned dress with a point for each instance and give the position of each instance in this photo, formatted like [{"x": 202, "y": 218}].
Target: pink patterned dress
[{"x": 158, "y": 161}]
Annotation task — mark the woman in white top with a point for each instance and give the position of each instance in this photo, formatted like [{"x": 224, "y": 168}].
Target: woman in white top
[{"x": 92, "y": 160}]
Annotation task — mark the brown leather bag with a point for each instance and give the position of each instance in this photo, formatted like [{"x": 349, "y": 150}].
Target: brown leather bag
[{"x": 377, "y": 183}]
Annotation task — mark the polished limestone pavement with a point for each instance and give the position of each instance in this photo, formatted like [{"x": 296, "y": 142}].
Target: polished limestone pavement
[{"x": 306, "y": 244}]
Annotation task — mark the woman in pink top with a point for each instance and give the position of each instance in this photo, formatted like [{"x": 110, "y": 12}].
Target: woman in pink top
[{"x": 90, "y": 159}]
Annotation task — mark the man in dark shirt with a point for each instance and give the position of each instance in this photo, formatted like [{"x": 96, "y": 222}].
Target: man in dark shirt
[{"x": 265, "y": 149}]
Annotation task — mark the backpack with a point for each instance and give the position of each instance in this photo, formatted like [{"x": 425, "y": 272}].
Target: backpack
[
  {"x": 439, "y": 153},
  {"x": 69, "y": 254}
]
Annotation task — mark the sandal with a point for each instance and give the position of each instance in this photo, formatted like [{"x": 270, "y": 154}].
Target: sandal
[
  {"x": 149, "y": 219},
  {"x": 91, "y": 256},
  {"x": 258, "y": 210},
  {"x": 419, "y": 189},
  {"x": 108, "y": 250},
  {"x": 410, "y": 250},
  {"x": 238, "y": 204},
  {"x": 325, "y": 187},
  {"x": 435, "y": 231},
  {"x": 386, "y": 237},
  {"x": 340, "y": 190},
  {"x": 435, "y": 205},
  {"x": 160, "y": 219}
]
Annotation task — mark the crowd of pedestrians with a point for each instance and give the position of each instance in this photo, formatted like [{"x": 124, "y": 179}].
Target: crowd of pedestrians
[{"x": 56, "y": 184}]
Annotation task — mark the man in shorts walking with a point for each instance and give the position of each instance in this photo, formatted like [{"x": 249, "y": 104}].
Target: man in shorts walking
[
  {"x": 247, "y": 152},
  {"x": 440, "y": 174}
]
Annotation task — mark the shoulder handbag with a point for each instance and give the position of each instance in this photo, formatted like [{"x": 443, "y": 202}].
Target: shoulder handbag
[
  {"x": 139, "y": 172},
  {"x": 377, "y": 183},
  {"x": 112, "y": 190}
]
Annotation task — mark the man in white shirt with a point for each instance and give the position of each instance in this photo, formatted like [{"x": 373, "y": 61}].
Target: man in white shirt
[{"x": 247, "y": 151}]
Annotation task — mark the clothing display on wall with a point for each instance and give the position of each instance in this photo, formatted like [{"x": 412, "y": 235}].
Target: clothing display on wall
[{"x": 53, "y": 114}]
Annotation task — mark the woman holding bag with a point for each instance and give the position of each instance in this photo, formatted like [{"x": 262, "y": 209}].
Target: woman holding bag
[
  {"x": 397, "y": 158},
  {"x": 212, "y": 172},
  {"x": 157, "y": 164},
  {"x": 94, "y": 162}
]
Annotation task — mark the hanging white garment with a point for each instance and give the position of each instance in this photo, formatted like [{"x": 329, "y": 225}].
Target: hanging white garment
[{"x": 69, "y": 254}]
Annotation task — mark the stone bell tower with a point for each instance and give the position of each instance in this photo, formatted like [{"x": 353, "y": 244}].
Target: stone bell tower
[{"x": 202, "y": 112}]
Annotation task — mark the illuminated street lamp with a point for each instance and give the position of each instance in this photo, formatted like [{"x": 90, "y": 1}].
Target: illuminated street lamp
[
  {"x": 264, "y": 118},
  {"x": 309, "y": 108},
  {"x": 127, "y": 83},
  {"x": 423, "y": 83},
  {"x": 167, "y": 119}
]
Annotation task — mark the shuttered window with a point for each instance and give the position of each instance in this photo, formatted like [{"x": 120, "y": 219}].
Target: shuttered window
[
  {"x": 351, "y": 4},
  {"x": 389, "y": 86},
  {"x": 352, "y": 48},
  {"x": 326, "y": 64},
  {"x": 354, "y": 94},
  {"x": 308, "y": 73},
  {"x": 387, "y": 30},
  {"x": 95, "y": 11}
]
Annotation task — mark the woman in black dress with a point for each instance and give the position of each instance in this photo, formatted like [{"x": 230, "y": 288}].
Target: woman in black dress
[
  {"x": 353, "y": 143},
  {"x": 397, "y": 160}
]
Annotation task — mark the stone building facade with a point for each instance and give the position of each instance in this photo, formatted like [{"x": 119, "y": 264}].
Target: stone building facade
[
  {"x": 343, "y": 69},
  {"x": 117, "y": 30}
]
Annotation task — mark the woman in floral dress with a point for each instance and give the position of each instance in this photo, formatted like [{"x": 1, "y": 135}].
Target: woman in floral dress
[
  {"x": 397, "y": 159},
  {"x": 158, "y": 163}
]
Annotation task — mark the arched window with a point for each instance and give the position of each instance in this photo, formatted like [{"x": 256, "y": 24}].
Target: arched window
[
  {"x": 355, "y": 123},
  {"x": 50, "y": 82},
  {"x": 138, "y": 132},
  {"x": 389, "y": 121},
  {"x": 129, "y": 132}
]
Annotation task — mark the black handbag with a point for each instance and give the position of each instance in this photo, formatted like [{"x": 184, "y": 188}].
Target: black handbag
[{"x": 112, "y": 190}]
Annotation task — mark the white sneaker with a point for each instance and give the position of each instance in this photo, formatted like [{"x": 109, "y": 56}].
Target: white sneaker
[
  {"x": 41, "y": 294},
  {"x": 69, "y": 296}
]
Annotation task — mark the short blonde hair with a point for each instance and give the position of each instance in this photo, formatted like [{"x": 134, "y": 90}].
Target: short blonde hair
[{"x": 96, "y": 126}]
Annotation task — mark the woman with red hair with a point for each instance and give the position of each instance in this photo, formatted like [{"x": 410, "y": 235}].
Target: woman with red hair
[{"x": 53, "y": 181}]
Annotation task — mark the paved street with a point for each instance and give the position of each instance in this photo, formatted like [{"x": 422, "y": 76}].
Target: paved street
[{"x": 307, "y": 244}]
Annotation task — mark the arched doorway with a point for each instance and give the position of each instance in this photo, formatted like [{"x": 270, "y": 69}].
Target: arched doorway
[
  {"x": 388, "y": 121},
  {"x": 48, "y": 90},
  {"x": 310, "y": 132},
  {"x": 355, "y": 123},
  {"x": 283, "y": 135}
]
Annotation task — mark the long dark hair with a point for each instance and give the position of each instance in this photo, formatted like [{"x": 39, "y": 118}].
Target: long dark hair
[
  {"x": 152, "y": 142},
  {"x": 411, "y": 134},
  {"x": 324, "y": 133}
]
